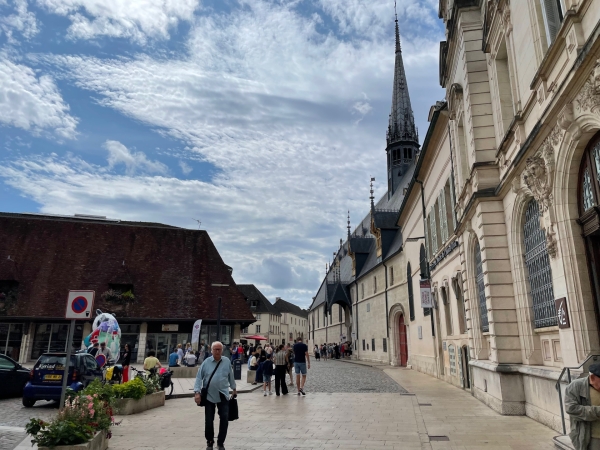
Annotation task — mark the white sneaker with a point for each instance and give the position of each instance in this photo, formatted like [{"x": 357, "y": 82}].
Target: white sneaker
[
  {"x": 270, "y": 393},
  {"x": 265, "y": 393}
]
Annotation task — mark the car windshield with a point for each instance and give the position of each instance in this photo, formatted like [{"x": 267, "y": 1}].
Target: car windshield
[{"x": 52, "y": 361}]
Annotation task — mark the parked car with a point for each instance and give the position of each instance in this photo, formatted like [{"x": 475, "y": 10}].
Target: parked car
[
  {"x": 45, "y": 380},
  {"x": 13, "y": 377}
]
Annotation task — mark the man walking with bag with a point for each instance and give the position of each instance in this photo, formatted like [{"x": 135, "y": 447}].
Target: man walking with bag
[{"x": 211, "y": 390}]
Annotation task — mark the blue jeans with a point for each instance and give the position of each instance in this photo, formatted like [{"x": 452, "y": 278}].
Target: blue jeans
[{"x": 209, "y": 419}]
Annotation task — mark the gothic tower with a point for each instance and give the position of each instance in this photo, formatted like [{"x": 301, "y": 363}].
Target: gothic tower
[{"x": 402, "y": 135}]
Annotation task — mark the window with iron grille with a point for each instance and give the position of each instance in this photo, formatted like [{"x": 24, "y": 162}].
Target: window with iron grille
[
  {"x": 483, "y": 314},
  {"x": 385, "y": 345},
  {"x": 538, "y": 268}
]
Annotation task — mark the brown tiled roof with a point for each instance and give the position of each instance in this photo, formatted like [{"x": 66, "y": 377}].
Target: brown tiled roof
[
  {"x": 253, "y": 294},
  {"x": 287, "y": 307},
  {"x": 171, "y": 269}
]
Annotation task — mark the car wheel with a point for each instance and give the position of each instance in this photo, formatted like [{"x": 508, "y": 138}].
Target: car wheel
[{"x": 28, "y": 402}]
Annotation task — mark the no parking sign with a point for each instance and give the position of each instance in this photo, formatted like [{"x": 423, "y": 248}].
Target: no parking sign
[{"x": 79, "y": 305}]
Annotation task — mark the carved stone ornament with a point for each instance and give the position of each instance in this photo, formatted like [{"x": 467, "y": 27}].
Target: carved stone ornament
[
  {"x": 589, "y": 97},
  {"x": 538, "y": 178}
]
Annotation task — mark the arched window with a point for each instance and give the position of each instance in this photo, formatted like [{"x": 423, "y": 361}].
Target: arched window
[
  {"x": 589, "y": 178},
  {"x": 538, "y": 268},
  {"x": 411, "y": 300},
  {"x": 485, "y": 326}
]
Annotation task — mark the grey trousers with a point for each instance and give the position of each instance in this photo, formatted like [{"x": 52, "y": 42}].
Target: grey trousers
[{"x": 594, "y": 444}]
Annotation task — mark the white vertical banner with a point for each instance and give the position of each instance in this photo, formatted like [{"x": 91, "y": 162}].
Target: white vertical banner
[
  {"x": 426, "y": 298},
  {"x": 196, "y": 334}
]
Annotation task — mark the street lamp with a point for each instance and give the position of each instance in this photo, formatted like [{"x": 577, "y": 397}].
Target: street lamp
[{"x": 219, "y": 310}]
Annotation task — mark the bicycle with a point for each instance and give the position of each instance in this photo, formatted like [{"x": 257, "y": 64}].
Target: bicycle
[{"x": 164, "y": 379}]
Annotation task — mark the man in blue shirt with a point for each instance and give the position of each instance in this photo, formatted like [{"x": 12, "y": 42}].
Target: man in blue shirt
[
  {"x": 173, "y": 357},
  {"x": 218, "y": 394},
  {"x": 301, "y": 360}
]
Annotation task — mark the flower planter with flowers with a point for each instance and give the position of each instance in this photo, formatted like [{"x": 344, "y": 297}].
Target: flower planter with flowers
[
  {"x": 83, "y": 423},
  {"x": 137, "y": 395}
]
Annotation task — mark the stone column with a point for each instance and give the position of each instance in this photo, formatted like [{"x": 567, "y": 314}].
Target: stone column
[
  {"x": 26, "y": 342},
  {"x": 142, "y": 342}
]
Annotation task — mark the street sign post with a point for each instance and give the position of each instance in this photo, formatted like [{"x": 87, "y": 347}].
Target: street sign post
[{"x": 79, "y": 307}]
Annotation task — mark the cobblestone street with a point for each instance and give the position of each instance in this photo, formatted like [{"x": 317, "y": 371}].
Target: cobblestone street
[
  {"x": 334, "y": 376},
  {"x": 14, "y": 416}
]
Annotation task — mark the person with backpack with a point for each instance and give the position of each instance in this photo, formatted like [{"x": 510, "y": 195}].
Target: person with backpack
[{"x": 290, "y": 355}]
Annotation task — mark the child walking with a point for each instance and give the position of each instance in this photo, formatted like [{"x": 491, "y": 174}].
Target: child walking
[{"x": 267, "y": 370}]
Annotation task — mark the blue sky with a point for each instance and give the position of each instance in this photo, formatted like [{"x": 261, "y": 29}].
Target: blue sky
[{"x": 264, "y": 119}]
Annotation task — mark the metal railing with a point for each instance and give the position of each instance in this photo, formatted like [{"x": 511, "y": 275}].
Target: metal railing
[{"x": 585, "y": 365}]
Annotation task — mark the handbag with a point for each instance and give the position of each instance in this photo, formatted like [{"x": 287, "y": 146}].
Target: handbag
[
  {"x": 234, "y": 413},
  {"x": 204, "y": 390}
]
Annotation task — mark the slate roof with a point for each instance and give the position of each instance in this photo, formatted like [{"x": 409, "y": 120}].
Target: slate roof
[
  {"x": 253, "y": 294},
  {"x": 286, "y": 307},
  {"x": 171, "y": 269}
]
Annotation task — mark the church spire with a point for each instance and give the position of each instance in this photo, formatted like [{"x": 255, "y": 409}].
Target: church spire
[
  {"x": 402, "y": 123},
  {"x": 402, "y": 135}
]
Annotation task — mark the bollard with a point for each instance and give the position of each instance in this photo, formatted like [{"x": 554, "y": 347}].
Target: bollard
[{"x": 237, "y": 369}]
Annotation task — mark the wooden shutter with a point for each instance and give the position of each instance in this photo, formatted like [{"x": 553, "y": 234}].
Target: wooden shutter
[{"x": 552, "y": 12}]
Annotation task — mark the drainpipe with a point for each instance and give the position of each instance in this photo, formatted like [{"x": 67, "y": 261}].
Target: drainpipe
[{"x": 387, "y": 318}]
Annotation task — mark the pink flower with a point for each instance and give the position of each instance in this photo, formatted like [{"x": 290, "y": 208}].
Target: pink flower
[{"x": 92, "y": 412}]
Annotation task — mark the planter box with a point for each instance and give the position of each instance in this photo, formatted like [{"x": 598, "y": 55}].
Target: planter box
[
  {"x": 127, "y": 406},
  {"x": 98, "y": 442}
]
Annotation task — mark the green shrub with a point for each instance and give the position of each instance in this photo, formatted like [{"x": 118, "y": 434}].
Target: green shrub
[
  {"x": 152, "y": 384},
  {"x": 58, "y": 432},
  {"x": 135, "y": 389},
  {"x": 102, "y": 391}
]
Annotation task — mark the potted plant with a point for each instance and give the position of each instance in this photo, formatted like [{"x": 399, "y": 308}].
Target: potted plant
[
  {"x": 83, "y": 423},
  {"x": 138, "y": 395}
]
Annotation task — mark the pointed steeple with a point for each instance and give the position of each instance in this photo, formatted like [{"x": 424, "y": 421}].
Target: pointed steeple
[
  {"x": 402, "y": 134},
  {"x": 402, "y": 123}
]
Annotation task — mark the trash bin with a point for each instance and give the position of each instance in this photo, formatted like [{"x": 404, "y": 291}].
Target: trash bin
[{"x": 237, "y": 369}]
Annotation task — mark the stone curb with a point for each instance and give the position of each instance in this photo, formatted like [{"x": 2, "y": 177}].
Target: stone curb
[{"x": 191, "y": 393}]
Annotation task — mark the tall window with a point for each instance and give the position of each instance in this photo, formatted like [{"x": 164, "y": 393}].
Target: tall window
[
  {"x": 589, "y": 179},
  {"x": 258, "y": 328},
  {"x": 411, "y": 300},
  {"x": 447, "y": 310},
  {"x": 504, "y": 107},
  {"x": 362, "y": 290},
  {"x": 538, "y": 268},
  {"x": 460, "y": 303},
  {"x": 553, "y": 17},
  {"x": 391, "y": 276},
  {"x": 374, "y": 285},
  {"x": 483, "y": 314}
]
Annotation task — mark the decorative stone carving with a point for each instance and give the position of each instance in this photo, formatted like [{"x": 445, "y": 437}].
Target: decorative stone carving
[
  {"x": 589, "y": 97},
  {"x": 538, "y": 178}
]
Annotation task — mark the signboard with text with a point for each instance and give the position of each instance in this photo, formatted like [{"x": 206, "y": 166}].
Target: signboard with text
[
  {"x": 426, "y": 298},
  {"x": 170, "y": 327},
  {"x": 562, "y": 313}
]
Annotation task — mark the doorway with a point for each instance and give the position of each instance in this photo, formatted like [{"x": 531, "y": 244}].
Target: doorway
[
  {"x": 403, "y": 345},
  {"x": 465, "y": 367}
]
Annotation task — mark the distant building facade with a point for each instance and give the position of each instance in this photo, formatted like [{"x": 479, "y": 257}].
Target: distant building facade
[
  {"x": 294, "y": 321},
  {"x": 168, "y": 272},
  {"x": 268, "y": 318}
]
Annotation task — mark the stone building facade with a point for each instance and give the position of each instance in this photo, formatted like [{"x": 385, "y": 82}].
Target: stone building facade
[{"x": 501, "y": 213}]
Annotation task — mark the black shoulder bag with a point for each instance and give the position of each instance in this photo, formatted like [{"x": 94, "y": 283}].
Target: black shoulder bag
[{"x": 204, "y": 390}]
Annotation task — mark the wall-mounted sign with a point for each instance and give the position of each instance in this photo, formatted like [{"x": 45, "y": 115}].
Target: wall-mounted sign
[
  {"x": 426, "y": 298},
  {"x": 443, "y": 254},
  {"x": 170, "y": 327},
  {"x": 562, "y": 313}
]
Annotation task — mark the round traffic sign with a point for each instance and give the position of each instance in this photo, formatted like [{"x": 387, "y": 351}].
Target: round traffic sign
[
  {"x": 101, "y": 359},
  {"x": 79, "y": 304}
]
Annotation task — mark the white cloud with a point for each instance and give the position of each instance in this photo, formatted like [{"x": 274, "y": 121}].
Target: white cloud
[
  {"x": 137, "y": 20},
  {"x": 22, "y": 20},
  {"x": 186, "y": 169},
  {"x": 272, "y": 104},
  {"x": 32, "y": 103},
  {"x": 134, "y": 162}
]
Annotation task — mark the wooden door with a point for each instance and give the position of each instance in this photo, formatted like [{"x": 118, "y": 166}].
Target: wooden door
[{"x": 403, "y": 344}]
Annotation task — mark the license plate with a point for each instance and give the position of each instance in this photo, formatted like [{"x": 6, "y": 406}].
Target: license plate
[{"x": 52, "y": 377}]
